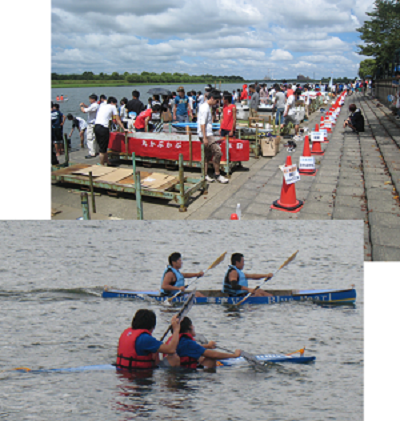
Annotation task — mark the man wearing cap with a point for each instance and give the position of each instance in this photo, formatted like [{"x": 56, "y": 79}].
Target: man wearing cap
[
  {"x": 182, "y": 108},
  {"x": 204, "y": 131},
  {"x": 90, "y": 136}
]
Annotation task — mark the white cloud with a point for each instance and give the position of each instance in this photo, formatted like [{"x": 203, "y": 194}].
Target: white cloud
[
  {"x": 229, "y": 36},
  {"x": 281, "y": 55}
]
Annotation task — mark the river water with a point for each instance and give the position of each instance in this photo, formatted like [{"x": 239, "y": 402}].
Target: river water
[{"x": 52, "y": 316}]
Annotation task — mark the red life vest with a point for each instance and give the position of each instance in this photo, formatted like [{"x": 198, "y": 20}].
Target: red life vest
[
  {"x": 127, "y": 356},
  {"x": 187, "y": 362}
]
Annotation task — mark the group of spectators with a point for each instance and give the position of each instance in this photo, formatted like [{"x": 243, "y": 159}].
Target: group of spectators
[{"x": 183, "y": 107}]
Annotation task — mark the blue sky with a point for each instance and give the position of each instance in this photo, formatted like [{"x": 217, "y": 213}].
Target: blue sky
[{"x": 236, "y": 37}]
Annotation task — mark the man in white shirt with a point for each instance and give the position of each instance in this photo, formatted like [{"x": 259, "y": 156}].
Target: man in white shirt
[
  {"x": 306, "y": 95},
  {"x": 204, "y": 131},
  {"x": 80, "y": 124},
  {"x": 106, "y": 113},
  {"x": 290, "y": 116},
  {"x": 90, "y": 136}
]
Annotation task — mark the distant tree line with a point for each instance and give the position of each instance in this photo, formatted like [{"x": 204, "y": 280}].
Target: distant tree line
[{"x": 149, "y": 77}]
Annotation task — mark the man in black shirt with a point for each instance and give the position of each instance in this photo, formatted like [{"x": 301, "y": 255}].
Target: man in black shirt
[{"x": 134, "y": 105}]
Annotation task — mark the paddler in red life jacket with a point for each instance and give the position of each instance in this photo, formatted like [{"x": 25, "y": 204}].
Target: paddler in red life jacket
[
  {"x": 137, "y": 349},
  {"x": 236, "y": 281},
  {"x": 190, "y": 354},
  {"x": 173, "y": 280},
  {"x": 228, "y": 122}
]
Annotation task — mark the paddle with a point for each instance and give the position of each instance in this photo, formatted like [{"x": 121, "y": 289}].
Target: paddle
[
  {"x": 183, "y": 311},
  {"x": 252, "y": 359},
  {"x": 216, "y": 263},
  {"x": 292, "y": 257}
]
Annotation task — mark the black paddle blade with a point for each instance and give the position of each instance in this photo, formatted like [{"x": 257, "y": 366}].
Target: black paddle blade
[{"x": 188, "y": 304}]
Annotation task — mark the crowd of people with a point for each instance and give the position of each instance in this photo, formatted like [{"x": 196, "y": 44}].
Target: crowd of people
[{"x": 182, "y": 107}]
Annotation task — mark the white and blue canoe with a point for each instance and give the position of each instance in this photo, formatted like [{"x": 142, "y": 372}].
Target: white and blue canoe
[
  {"x": 265, "y": 358},
  {"x": 192, "y": 126},
  {"x": 320, "y": 296}
]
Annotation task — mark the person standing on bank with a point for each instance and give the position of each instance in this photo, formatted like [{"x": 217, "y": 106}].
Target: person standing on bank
[
  {"x": 254, "y": 102},
  {"x": 236, "y": 281},
  {"x": 101, "y": 128},
  {"x": 80, "y": 124},
  {"x": 182, "y": 108},
  {"x": 91, "y": 111},
  {"x": 228, "y": 121},
  {"x": 135, "y": 105},
  {"x": 205, "y": 133},
  {"x": 173, "y": 280}
]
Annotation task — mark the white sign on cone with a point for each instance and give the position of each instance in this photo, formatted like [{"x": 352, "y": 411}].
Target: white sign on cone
[
  {"x": 317, "y": 137},
  {"x": 307, "y": 163},
  {"x": 290, "y": 173},
  {"x": 324, "y": 133}
]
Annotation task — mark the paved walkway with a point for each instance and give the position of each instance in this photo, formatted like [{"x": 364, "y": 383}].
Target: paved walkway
[{"x": 358, "y": 178}]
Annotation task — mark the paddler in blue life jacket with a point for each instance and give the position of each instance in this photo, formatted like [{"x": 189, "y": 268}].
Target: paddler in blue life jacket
[
  {"x": 173, "y": 280},
  {"x": 236, "y": 281},
  {"x": 190, "y": 354},
  {"x": 138, "y": 349}
]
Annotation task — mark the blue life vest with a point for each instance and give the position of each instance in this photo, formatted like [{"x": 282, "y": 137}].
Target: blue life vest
[
  {"x": 179, "y": 281},
  {"x": 227, "y": 287}
]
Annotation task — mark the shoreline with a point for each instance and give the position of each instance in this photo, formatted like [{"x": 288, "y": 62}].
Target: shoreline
[
  {"x": 103, "y": 85},
  {"x": 122, "y": 83}
]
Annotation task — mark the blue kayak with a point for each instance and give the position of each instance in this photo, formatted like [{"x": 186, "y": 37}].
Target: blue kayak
[
  {"x": 215, "y": 126},
  {"x": 321, "y": 296},
  {"x": 267, "y": 358}
]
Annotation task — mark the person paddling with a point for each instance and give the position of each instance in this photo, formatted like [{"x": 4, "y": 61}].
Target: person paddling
[
  {"x": 190, "y": 354},
  {"x": 138, "y": 349},
  {"x": 236, "y": 281},
  {"x": 173, "y": 280}
]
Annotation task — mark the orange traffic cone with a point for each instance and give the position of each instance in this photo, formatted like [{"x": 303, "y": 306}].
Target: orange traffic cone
[
  {"x": 288, "y": 201},
  {"x": 316, "y": 146},
  {"x": 307, "y": 153}
]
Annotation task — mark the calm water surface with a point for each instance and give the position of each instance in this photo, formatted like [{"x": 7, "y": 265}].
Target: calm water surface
[{"x": 52, "y": 315}]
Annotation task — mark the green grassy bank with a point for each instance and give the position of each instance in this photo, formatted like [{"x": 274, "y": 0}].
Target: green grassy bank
[{"x": 99, "y": 84}]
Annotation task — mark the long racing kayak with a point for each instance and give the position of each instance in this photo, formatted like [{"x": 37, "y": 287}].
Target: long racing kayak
[
  {"x": 267, "y": 358},
  {"x": 321, "y": 296}
]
